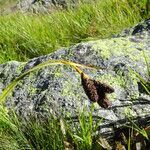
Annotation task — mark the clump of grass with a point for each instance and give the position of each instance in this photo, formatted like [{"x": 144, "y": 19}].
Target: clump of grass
[
  {"x": 83, "y": 135},
  {"x": 24, "y": 36},
  {"x": 136, "y": 133},
  {"x": 47, "y": 134},
  {"x": 17, "y": 133}
]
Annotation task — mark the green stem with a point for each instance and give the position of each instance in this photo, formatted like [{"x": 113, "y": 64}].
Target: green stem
[{"x": 9, "y": 88}]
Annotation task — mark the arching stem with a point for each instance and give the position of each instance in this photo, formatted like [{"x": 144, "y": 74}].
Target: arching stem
[{"x": 76, "y": 66}]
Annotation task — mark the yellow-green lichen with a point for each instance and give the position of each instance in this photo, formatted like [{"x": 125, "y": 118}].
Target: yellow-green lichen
[
  {"x": 58, "y": 71},
  {"x": 32, "y": 90},
  {"x": 129, "y": 112},
  {"x": 20, "y": 68},
  {"x": 68, "y": 87},
  {"x": 120, "y": 81},
  {"x": 113, "y": 80},
  {"x": 119, "y": 47}
]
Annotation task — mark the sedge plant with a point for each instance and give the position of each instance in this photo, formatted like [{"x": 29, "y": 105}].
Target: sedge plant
[
  {"x": 92, "y": 88},
  {"x": 95, "y": 90}
]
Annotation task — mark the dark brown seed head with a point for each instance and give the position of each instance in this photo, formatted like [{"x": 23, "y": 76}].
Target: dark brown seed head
[
  {"x": 106, "y": 88},
  {"x": 105, "y": 103},
  {"x": 90, "y": 88},
  {"x": 96, "y": 91}
]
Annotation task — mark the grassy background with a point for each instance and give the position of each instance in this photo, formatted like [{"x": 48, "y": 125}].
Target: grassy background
[{"x": 24, "y": 36}]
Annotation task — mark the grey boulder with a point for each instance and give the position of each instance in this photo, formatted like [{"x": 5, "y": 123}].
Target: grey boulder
[
  {"x": 45, "y": 5},
  {"x": 57, "y": 89}
]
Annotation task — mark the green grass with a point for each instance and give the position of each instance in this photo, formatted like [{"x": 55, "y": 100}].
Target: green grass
[
  {"x": 58, "y": 134},
  {"x": 16, "y": 134},
  {"x": 24, "y": 36},
  {"x": 84, "y": 135},
  {"x": 50, "y": 134}
]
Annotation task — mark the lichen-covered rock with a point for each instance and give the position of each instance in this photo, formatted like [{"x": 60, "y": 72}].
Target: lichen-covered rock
[{"x": 57, "y": 89}]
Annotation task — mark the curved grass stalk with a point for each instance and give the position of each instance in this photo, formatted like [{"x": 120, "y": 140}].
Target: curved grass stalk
[{"x": 10, "y": 87}]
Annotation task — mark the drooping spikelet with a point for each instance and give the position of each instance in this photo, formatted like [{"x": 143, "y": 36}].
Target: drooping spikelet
[{"x": 96, "y": 91}]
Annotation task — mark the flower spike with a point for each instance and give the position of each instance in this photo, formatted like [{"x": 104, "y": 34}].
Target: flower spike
[{"x": 96, "y": 91}]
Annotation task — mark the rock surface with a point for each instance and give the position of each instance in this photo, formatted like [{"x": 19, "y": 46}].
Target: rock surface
[
  {"x": 57, "y": 89},
  {"x": 39, "y": 6},
  {"x": 44, "y": 5}
]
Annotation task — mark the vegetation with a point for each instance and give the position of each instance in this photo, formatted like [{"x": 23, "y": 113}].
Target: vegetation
[
  {"x": 10, "y": 87},
  {"x": 52, "y": 134},
  {"x": 58, "y": 134},
  {"x": 24, "y": 36}
]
